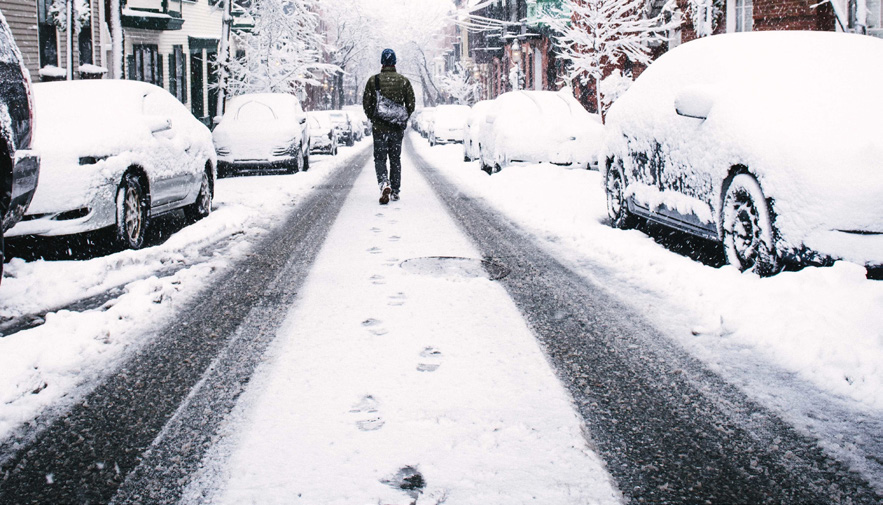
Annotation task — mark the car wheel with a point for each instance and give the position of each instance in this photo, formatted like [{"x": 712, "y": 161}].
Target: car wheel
[
  {"x": 617, "y": 207},
  {"x": 296, "y": 163},
  {"x": 466, "y": 158},
  {"x": 2, "y": 254},
  {"x": 202, "y": 207},
  {"x": 350, "y": 141},
  {"x": 132, "y": 209},
  {"x": 748, "y": 228}
]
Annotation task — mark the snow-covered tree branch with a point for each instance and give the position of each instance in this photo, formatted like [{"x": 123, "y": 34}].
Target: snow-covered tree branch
[
  {"x": 601, "y": 33},
  {"x": 283, "y": 52},
  {"x": 460, "y": 86}
]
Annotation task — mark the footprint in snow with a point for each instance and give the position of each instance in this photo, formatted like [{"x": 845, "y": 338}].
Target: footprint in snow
[
  {"x": 378, "y": 280},
  {"x": 395, "y": 238},
  {"x": 375, "y": 250},
  {"x": 379, "y": 214},
  {"x": 366, "y": 415},
  {"x": 373, "y": 326},
  {"x": 375, "y": 229},
  {"x": 431, "y": 360},
  {"x": 397, "y": 299},
  {"x": 391, "y": 262}
]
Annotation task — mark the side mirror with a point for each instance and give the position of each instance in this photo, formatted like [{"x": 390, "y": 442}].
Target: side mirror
[
  {"x": 694, "y": 102},
  {"x": 158, "y": 124}
]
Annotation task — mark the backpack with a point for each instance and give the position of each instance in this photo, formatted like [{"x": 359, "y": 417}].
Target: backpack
[{"x": 387, "y": 110}]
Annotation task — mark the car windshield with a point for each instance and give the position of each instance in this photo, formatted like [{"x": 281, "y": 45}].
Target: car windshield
[{"x": 255, "y": 112}]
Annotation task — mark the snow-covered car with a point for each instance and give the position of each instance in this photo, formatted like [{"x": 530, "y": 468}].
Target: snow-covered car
[
  {"x": 359, "y": 113},
  {"x": 474, "y": 122},
  {"x": 345, "y": 127},
  {"x": 19, "y": 165},
  {"x": 536, "y": 127},
  {"x": 323, "y": 134},
  {"x": 116, "y": 153},
  {"x": 261, "y": 132},
  {"x": 448, "y": 124},
  {"x": 777, "y": 157},
  {"x": 423, "y": 120}
]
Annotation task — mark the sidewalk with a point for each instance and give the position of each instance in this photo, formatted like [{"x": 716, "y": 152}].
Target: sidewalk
[{"x": 382, "y": 371}]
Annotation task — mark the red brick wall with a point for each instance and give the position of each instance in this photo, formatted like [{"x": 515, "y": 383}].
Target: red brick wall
[{"x": 793, "y": 15}]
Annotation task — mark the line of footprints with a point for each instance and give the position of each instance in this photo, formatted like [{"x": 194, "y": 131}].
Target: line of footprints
[{"x": 366, "y": 410}]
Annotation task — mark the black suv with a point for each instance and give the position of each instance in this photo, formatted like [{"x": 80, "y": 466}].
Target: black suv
[{"x": 19, "y": 166}]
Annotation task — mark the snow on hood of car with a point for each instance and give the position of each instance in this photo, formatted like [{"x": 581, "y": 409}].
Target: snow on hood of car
[{"x": 800, "y": 109}]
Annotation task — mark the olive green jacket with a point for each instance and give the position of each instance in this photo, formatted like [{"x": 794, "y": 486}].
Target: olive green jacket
[{"x": 394, "y": 86}]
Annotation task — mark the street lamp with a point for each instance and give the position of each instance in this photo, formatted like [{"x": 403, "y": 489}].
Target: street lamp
[{"x": 516, "y": 51}]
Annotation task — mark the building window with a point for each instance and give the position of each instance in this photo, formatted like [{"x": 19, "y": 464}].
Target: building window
[
  {"x": 147, "y": 65},
  {"x": 178, "y": 74},
  {"x": 84, "y": 44},
  {"x": 744, "y": 15},
  {"x": 48, "y": 37}
]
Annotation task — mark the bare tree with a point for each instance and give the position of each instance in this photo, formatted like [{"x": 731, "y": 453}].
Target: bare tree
[
  {"x": 602, "y": 32},
  {"x": 283, "y": 52}
]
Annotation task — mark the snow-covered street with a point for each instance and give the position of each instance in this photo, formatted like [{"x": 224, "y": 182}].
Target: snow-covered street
[
  {"x": 395, "y": 358},
  {"x": 401, "y": 357}
]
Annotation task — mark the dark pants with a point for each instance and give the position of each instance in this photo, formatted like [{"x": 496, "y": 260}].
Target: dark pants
[{"x": 388, "y": 144}]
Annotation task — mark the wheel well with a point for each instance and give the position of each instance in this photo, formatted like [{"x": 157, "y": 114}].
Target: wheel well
[
  {"x": 742, "y": 169},
  {"x": 141, "y": 175}
]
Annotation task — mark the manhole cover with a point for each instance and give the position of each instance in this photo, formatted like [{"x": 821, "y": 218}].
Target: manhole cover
[{"x": 452, "y": 266}]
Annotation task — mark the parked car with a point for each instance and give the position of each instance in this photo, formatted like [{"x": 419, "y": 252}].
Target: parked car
[
  {"x": 323, "y": 134},
  {"x": 116, "y": 153},
  {"x": 19, "y": 165},
  {"x": 449, "y": 123},
  {"x": 358, "y": 125},
  {"x": 359, "y": 113},
  {"x": 261, "y": 132},
  {"x": 344, "y": 124},
  {"x": 423, "y": 120},
  {"x": 474, "y": 121},
  {"x": 536, "y": 127},
  {"x": 777, "y": 158}
]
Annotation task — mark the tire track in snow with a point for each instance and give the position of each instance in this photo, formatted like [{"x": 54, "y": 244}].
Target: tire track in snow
[
  {"x": 88, "y": 454},
  {"x": 670, "y": 430}
]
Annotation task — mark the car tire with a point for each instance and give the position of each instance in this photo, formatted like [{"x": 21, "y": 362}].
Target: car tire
[
  {"x": 617, "y": 206},
  {"x": 2, "y": 254},
  {"x": 350, "y": 142},
  {"x": 466, "y": 158},
  {"x": 296, "y": 163},
  {"x": 132, "y": 213},
  {"x": 747, "y": 225},
  {"x": 202, "y": 207}
]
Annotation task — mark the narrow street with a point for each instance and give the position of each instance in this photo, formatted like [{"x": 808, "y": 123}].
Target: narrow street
[{"x": 427, "y": 351}]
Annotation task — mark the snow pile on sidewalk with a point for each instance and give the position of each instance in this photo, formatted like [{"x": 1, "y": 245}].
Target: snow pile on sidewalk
[
  {"x": 823, "y": 324},
  {"x": 45, "y": 364}
]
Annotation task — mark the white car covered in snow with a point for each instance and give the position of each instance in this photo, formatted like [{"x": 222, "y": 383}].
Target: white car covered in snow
[
  {"x": 474, "y": 122},
  {"x": 448, "y": 124},
  {"x": 115, "y": 153},
  {"x": 536, "y": 127},
  {"x": 261, "y": 132},
  {"x": 769, "y": 142},
  {"x": 323, "y": 134}
]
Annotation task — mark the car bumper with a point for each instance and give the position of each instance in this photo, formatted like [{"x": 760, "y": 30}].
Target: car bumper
[
  {"x": 25, "y": 173},
  {"x": 100, "y": 212},
  {"x": 243, "y": 166}
]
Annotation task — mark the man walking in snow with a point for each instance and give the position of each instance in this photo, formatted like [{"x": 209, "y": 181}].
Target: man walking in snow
[{"x": 389, "y": 102}]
